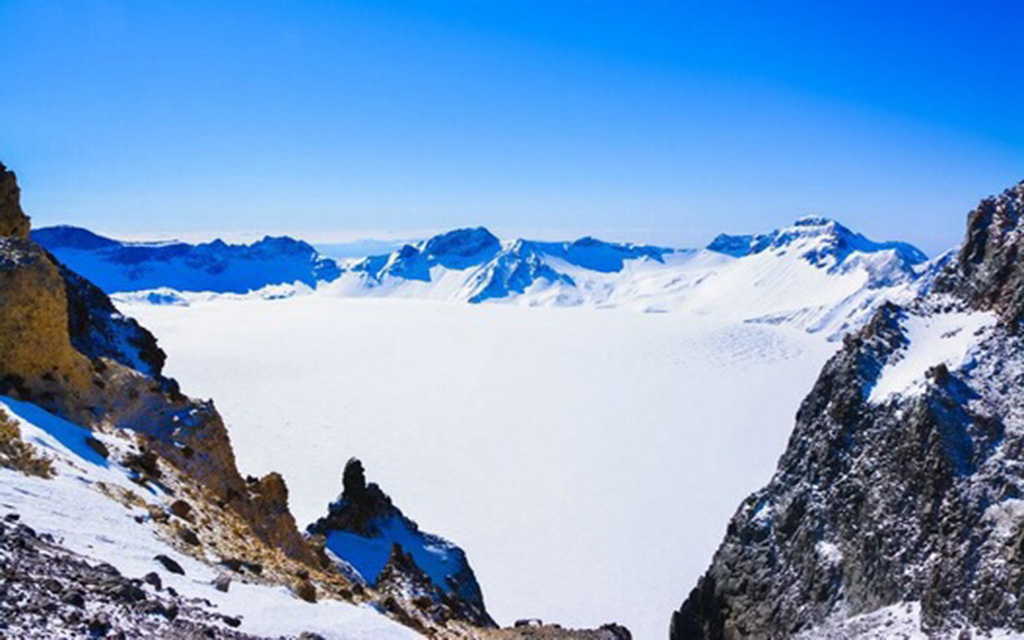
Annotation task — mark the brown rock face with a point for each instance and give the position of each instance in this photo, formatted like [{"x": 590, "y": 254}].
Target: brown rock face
[
  {"x": 13, "y": 221},
  {"x": 275, "y": 523},
  {"x": 37, "y": 356},
  {"x": 34, "y": 342}
]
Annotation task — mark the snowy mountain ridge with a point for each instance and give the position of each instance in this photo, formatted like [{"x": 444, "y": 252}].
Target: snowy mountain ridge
[
  {"x": 213, "y": 266},
  {"x": 816, "y": 275},
  {"x": 834, "y": 241}
]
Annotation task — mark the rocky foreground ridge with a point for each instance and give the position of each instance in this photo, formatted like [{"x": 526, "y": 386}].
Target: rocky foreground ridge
[
  {"x": 898, "y": 507},
  {"x": 65, "y": 349}
]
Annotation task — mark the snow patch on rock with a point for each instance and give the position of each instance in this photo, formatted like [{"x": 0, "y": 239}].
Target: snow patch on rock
[{"x": 934, "y": 339}]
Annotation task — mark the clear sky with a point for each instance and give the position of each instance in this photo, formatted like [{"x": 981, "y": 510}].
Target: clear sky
[{"x": 666, "y": 121}]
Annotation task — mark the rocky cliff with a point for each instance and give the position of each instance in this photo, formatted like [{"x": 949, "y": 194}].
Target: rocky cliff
[{"x": 897, "y": 506}]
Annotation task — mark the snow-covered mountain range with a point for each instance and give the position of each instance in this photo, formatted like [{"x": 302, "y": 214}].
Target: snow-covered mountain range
[
  {"x": 815, "y": 275},
  {"x": 114, "y": 265}
]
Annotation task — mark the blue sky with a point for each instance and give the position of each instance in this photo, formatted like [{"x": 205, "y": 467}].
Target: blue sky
[{"x": 664, "y": 121}]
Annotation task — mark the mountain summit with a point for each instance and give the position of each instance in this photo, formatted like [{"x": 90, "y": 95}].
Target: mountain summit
[{"x": 821, "y": 241}]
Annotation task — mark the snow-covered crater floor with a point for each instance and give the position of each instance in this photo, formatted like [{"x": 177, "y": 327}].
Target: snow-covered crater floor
[{"x": 587, "y": 460}]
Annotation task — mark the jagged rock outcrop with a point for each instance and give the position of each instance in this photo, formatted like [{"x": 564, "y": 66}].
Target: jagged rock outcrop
[
  {"x": 389, "y": 551},
  {"x": 901, "y": 487},
  {"x": 989, "y": 269},
  {"x": 98, "y": 330},
  {"x": 37, "y": 355},
  {"x": 13, "y": 221}
]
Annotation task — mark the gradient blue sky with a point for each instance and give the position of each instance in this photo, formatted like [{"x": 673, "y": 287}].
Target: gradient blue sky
[{"x": 665, "y": 121}]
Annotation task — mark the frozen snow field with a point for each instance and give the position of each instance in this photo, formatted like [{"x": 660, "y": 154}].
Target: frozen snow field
[{"x": 587, "y": 460}]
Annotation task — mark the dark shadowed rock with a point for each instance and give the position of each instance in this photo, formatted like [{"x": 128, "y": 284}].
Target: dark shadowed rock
[
  {"x": 181, "y": 509},
  {"x": 304, "y": 590},
  {"x": 169, "y": 564},
  {"x": 989, "y": 269}
]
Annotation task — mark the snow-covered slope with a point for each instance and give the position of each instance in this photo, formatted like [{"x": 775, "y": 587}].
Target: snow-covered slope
[
  {"x": 89, "y": 509},
  {"x": 817, "y": 274},
  {"x": 117, "y": 266}
]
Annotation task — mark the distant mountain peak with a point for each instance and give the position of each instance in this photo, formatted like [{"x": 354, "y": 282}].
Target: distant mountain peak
[
  {"x": 497, "y": 270},
  {"x": 464, "y": 243},
  {"x": 71, "y": 237},
  {"x": 822, "y": 241}
]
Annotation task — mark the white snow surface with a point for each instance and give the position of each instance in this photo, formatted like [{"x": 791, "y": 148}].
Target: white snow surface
[
  {"x": 87, "y": 522},
  {"x": 586, "y": 460},
  {"x": 900, "y": 621},
  {"x": 933, "y": 339}
]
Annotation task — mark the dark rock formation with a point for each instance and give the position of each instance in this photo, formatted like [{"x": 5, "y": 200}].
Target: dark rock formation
[
  {"x": 422, "y": 564},
  {"x": 989, "y": 270},
  {"x": 360, "y": 508},
  {"x": 910, "y": 498}
]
